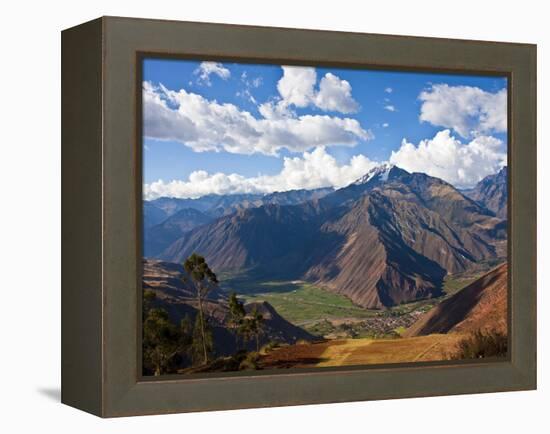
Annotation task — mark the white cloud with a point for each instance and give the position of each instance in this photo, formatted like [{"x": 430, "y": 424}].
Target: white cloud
[
  {"x": 388, "y": 90},
  {"x": 390, "y": 108},
  {"x": 446, "y": 157},
  {"x": 297, "y": 87},
  {"x": 335, "y": 95},
  {"x": 470, "y": 111},
  {"x": 205, "y": 69},
  {"x": 206, "y": 125},
  {"x": 385, "y": 125},
  {"x": 312, "y": 170}
]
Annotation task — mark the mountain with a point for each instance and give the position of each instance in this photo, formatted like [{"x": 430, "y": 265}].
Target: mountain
[
  {"x": 157, "y": 238},
  {"x": 152, "y": 215},
  {"x": 175, "y": 292},
  {"x": 492, "y": 193},
  {"x": 482, "y": 305},
  {"x": 167, "y": 219},
  {"x": 388, "y": 238}
]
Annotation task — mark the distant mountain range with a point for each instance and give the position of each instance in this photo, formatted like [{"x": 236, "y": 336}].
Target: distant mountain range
[
  {"x": 167, "y": 219},
  {"x": 389, "y": 237}
]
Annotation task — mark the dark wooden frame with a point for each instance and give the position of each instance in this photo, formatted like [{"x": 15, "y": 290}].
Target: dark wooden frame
[{"x": 101, "y": 220}]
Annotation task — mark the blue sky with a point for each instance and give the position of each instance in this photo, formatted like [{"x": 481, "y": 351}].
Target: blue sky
[{"x": 198, "y": 114}]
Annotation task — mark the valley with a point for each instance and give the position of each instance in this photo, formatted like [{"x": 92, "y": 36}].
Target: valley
[
  {"x": 330, "y": 315},
  {"x": 396, "y": 267}
]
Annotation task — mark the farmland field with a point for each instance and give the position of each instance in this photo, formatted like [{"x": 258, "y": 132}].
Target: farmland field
[{"x": 299, "y": 302}]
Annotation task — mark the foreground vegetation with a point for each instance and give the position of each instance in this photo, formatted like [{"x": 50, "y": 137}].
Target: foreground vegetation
[
  {"x": 482, "y": 345},
  {"x": 168, "y": 347}
]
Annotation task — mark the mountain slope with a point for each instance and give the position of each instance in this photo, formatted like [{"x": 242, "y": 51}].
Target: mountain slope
[
  {"x": 492, "y": 193},
  {"x": 152, "y": 215},
  {"x": 388, "y": 238},
  {"x": 271, "y": 235},
  {"x": 158, "y": 237},
  {"x": 482, "y": 305},
  {"x": 393, "y": 249},
  {"x": 167, "y": 219}
]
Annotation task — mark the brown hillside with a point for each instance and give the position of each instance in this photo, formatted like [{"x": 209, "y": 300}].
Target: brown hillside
[{"x": 482, "y": 305}]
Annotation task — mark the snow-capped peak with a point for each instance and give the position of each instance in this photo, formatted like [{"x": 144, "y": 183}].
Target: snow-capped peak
[{"x": 382, "y": 172}]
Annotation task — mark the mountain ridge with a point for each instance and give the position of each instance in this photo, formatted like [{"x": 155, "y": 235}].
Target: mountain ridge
[
  {"x": 407, "y": 230},
  {"x": 492, "y": 193}
]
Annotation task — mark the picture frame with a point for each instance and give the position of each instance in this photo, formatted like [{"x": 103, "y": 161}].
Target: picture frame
[{"x": 101, "y": 217}]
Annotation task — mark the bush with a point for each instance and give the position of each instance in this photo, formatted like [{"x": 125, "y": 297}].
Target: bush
[
  {"x": 250, "y": 362},
  {"x": 480, "y": 345}
]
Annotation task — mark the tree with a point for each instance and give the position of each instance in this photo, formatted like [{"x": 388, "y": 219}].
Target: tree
[
  {"x": 162, "y": 340},
  {"x": 203, "y": 277},
  {"x": 236, "y": 316},
  {"x": 202, "y": 339},
  {"x": 254, "y": 326}
]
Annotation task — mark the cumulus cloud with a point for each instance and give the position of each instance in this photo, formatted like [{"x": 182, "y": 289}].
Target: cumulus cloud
[
  {"x": 388, "y": 90},
  {"x": 206, "y": 69},
  {"x": 470, "y": 111},
  {"x": 446, "y": 157},
  {"x": 206, "y": 125},
  {"x": 313, "y": 169},
  {"x": 385, "y": 125},
  {"x": 390, "y": 108},
  {"x": 297, "y": 87},
  {"x": 335, "y": 95}
]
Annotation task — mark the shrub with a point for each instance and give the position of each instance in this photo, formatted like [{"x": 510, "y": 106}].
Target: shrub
[
  {"x": 480, "y": 345},
  {"x": 250, "y": 362}
]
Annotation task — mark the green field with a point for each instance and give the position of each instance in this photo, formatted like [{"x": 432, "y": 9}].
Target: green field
[{"x": 298, "y": 302}]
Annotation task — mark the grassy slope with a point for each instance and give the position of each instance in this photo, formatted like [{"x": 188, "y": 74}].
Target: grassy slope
[{"x": 349, "y": 352}]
